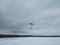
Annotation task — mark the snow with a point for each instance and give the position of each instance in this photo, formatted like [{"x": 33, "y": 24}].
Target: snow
[{"x": 30, "y": 41}]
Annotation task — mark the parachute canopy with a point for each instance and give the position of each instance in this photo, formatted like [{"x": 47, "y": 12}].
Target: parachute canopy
[{"x": 31, "y": 24}]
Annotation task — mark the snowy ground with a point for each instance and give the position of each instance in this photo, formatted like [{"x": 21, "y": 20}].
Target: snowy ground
[{"x": 30, "y": 41}]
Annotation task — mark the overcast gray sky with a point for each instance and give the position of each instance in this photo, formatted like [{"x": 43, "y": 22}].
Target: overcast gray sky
[{"x": 15, "y": 16}]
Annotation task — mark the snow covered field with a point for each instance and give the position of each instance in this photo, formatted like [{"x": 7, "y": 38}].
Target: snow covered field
[{"x": 30, "y": 41}]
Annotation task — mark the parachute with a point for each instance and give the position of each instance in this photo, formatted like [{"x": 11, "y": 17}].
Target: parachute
[{"x": 31, "y": 25}]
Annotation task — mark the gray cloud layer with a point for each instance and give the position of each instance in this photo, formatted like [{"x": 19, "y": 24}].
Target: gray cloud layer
[{"x": 16, "y": 14}]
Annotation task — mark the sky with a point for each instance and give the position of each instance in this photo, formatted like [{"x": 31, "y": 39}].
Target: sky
[{"x": 15, "y": 16}]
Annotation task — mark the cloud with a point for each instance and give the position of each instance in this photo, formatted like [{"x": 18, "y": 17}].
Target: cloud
[{"x": 16, "y": 14}]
